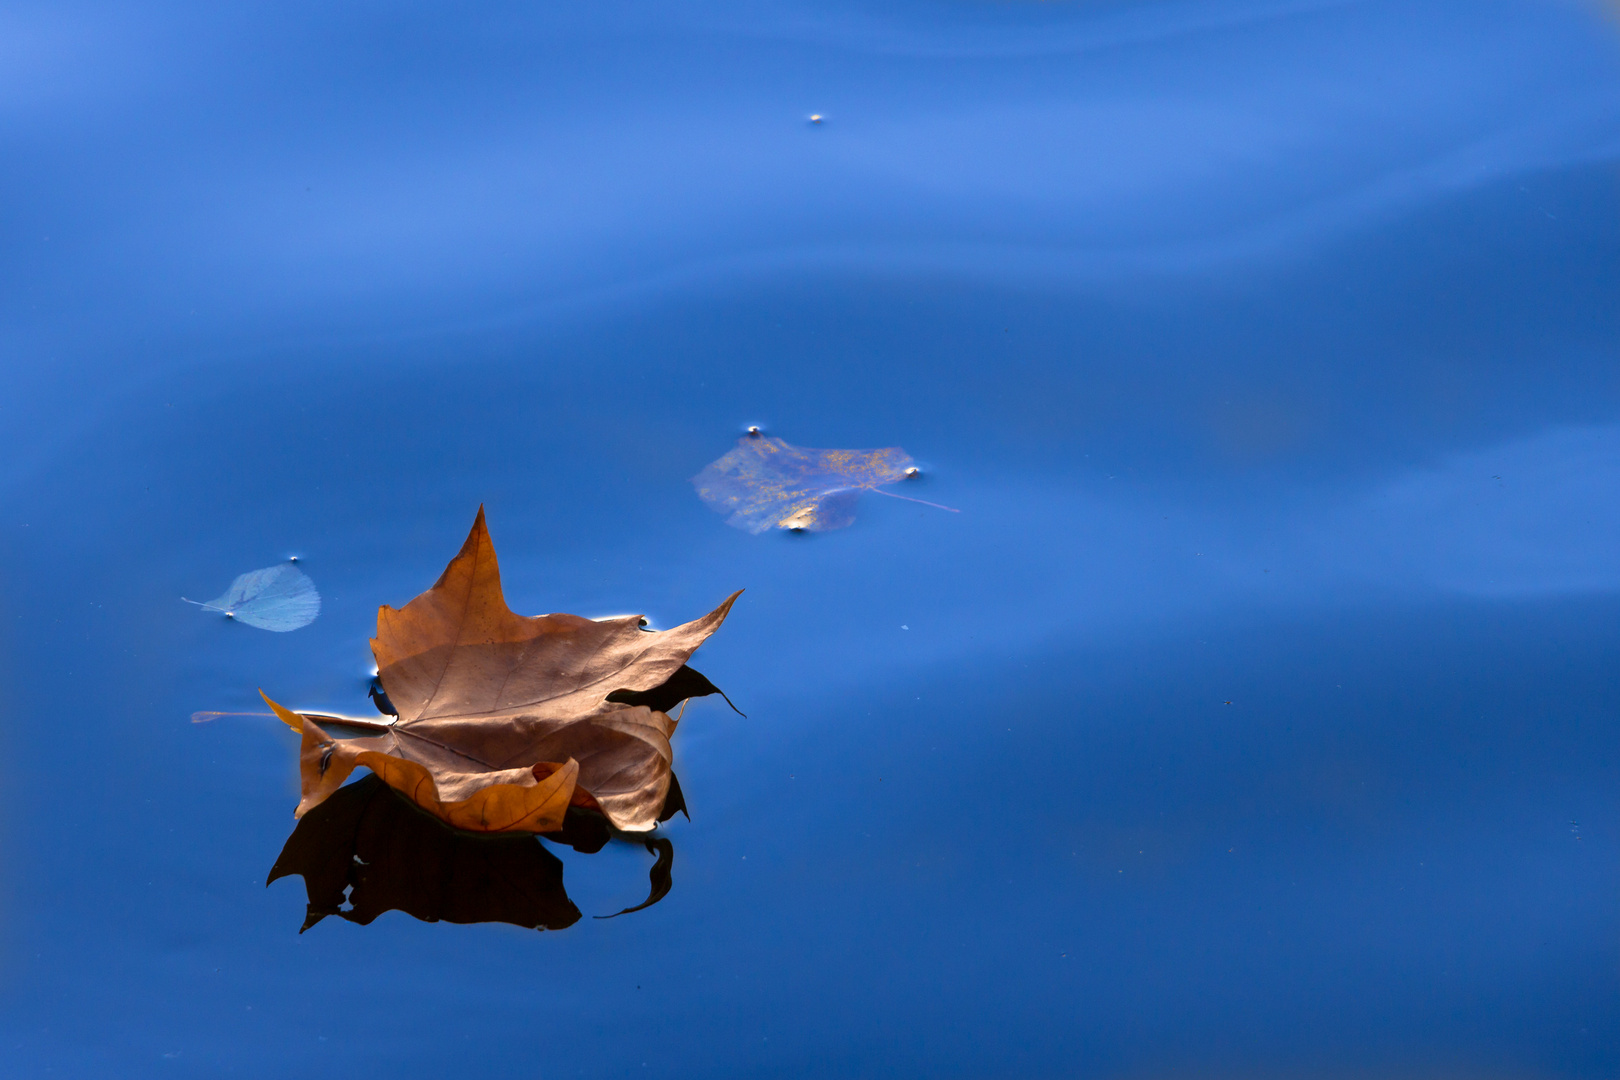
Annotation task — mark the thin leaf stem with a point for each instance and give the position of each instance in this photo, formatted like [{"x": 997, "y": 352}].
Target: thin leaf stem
[
  {"x": 346, "y": 721},
  {"x": 908, "y": 498},
  {"x": 320, "y": 718}
]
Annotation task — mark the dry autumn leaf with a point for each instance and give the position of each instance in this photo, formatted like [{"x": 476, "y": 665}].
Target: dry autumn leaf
[
  {"x": 764, "y": 483},
  {"x": 504, "y": 721}
]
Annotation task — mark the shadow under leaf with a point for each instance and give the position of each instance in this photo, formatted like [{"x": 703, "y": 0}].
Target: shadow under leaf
[
  {"x": 370, "y": 847},
  {"x": 373, "y": 851},
  {"x": 662, "y": 878}
]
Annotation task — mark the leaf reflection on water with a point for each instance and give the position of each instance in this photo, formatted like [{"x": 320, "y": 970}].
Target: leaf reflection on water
[{"x": 370, "y": 847}]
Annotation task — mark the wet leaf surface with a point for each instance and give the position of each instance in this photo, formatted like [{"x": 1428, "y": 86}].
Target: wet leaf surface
[
  {"x": 279, "y": 598},
  {"x": 765, "y": 483}
]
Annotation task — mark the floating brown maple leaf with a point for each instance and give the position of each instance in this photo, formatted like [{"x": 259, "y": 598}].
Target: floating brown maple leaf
[
  {"x": 765, "y": 483},
  {"x": 505, "y": 720}
]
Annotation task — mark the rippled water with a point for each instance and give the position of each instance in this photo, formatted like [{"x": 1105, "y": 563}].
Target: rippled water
[{"x": 1254, "y": 717}]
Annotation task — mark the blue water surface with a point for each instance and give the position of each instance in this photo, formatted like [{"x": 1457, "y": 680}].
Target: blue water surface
[{"x": 1254, "y": 717}]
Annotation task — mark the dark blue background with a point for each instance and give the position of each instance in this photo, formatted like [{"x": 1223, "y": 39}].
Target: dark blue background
[{"x": 1255, "y": 717}]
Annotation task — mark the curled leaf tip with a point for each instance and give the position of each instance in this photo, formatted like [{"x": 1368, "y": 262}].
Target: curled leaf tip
[{"x": 285, "y": 715}]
